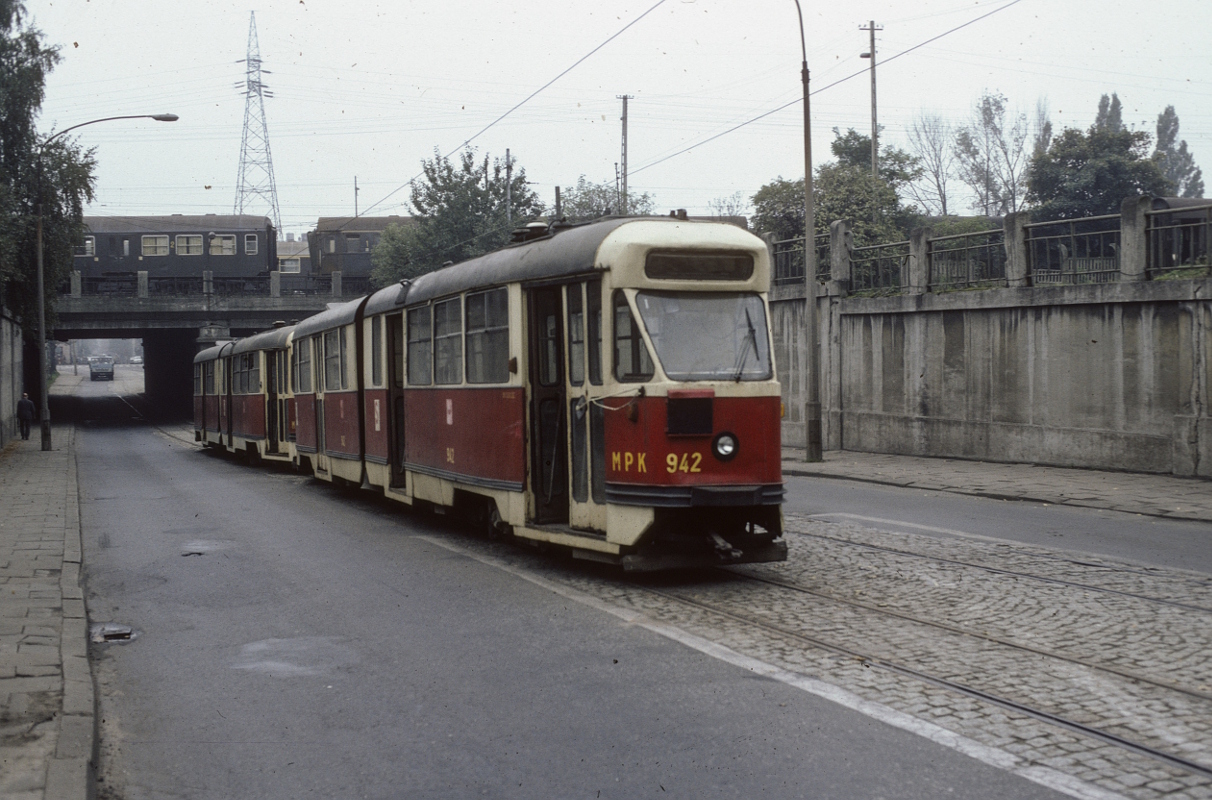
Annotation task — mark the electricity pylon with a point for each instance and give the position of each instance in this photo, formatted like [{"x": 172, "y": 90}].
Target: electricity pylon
[{"x": 256, "y": 165}]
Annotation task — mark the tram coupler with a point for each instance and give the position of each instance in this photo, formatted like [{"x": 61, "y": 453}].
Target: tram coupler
[{"x": 724, "y": 551}]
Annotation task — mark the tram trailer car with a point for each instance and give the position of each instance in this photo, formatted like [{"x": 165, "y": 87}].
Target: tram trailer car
[
  {"x": 606, "y": 388},
  {"x": 242, "y": 400}
]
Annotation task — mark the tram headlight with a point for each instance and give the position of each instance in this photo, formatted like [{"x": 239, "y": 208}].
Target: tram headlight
[{"x": 725, "y": 446}]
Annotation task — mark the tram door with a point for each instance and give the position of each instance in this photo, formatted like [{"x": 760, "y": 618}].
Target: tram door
[
  {"x": 271, "y": 399},
  {"x": 548, "y": 426},
  {"x": 395, "y": 398},
  {"x": 226, "y": 400}
]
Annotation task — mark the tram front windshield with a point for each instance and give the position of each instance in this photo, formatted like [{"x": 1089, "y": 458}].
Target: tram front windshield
[{"x": 708, "y": 336}]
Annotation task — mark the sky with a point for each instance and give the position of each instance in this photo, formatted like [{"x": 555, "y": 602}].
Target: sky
[{"x": 368, "y": 90}]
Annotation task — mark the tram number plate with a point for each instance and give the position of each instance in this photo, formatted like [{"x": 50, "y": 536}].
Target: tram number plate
[{"x": 689, "y": 462}]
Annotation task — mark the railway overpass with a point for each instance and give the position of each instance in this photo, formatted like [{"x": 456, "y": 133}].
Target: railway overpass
[{"x": 177, "y": 319}]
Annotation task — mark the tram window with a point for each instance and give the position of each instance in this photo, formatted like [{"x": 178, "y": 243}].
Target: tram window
[
  {"x": 303, "y": 370},
  {"x": 333, "y": 342},
  {"x": 397, "y": 351},
  {"x": 376, "y": 351},
  {"x": 254, "y": 373},
  {"x": 576, "y": 336},
  {"x": 448, "y": 341},
  {"x": 420, "y": 354},
  {"x": 631, "y": 360},
  {"x": 488, "y": 337},
  {"x": 593, "y": 307},
  {"x": 197, "y": 379},
  {"x": 208, "y": 377}
]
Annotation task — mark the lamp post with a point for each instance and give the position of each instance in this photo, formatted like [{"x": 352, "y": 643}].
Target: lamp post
[
  {"x": 45, "y": 411},
  {"x": 812, "y": 406}
]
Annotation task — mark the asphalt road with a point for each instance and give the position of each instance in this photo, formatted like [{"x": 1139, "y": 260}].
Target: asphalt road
[
  {"x": 1176, "y": 544},
  {"x": 293, "y": 640}
]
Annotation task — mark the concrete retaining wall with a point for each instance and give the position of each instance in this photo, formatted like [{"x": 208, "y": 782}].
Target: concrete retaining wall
[{"x": 1110, "y": 376}]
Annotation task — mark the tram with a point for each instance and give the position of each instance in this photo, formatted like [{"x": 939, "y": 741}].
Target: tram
[{"x": 606, "y": 388}]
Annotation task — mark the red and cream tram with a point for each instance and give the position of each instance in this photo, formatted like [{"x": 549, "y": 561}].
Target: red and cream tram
[{"x": 606, "y": 388}]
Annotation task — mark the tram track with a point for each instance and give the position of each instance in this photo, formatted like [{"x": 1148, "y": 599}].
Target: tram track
[
  {"x": 892, "y": 666},
  {"x": 1019, "y": 574}
]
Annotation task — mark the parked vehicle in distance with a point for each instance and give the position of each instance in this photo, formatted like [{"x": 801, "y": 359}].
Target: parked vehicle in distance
[
  {"x": 137, "y": 360},
  {"x": 101, "y": 368}
]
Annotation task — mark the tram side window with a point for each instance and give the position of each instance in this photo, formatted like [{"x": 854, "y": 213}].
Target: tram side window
[
  {"x": 254, "y": 373},
  {"x": 376, "y": 351},
  {"x": 593, "y": 308},
  {"x": 631, "y": 360},
  {"x": 334, "y": 361},
  {"x": 197, "y": 379},
  {"x": 448, "y": 341},
  {"x": 420, "y": 353},
  {"x": 488, "y": 337},
  {"x": 302, "y": 366},
  {"x": 576, "y": 336},
  {"x": 208, "y": 377}
]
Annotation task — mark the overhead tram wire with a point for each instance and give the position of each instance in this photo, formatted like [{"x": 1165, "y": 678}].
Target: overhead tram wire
[
  {"x": 523, "y": 102},
  {"x": 799, "y": 100}
]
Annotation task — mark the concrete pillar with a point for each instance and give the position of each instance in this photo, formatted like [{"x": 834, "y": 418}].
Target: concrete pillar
[
  {"x": 918, "y": 279},
  {"x": 142, "y": 278},
  {"x": 208, "y": 281},
  {"x": 275, "y": 284},
  {"x": 1133, "y": 239},
  {"x": 1018, "y": 267},
  {"x": 841, "y": 244},
  {"x": 336, "y": 283},
  {"x": 77, "y": 284}
]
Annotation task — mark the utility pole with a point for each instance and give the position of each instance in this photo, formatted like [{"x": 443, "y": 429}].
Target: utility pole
[
  {"x": 508, "y": 189},
  {"x": 623, "y": 196},
  {"x": 558, "y": 215},
  {"x": 875, "y": 130},
  {"x": 355, "y": 195}
]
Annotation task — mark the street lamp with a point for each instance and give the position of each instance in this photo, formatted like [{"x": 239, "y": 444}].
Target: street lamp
[
  {"x": 46, "y": 430},
  {"x": 812, "y": 406}
]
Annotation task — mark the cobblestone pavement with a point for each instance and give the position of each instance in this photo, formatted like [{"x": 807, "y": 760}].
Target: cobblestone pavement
[{"x": 910, "y": 622}]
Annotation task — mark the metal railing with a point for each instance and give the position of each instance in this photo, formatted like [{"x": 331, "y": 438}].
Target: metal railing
[
  {"x": 878, "y": 267},
  {"x": 173, "y": 287},
  {"x": 967, "y": 260},
  {"x": 111, "y": 286},
  {"x": 1178, "y": 240},
  {"x": 789, "y": 260},
  {"x": 256, "y": 286},
  {"x": 1074, "y": 251}
]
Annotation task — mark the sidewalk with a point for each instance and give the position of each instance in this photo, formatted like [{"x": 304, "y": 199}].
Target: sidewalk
[
  {"x": 1130, "y": 492},
  {"x": 47, "y": 719}
]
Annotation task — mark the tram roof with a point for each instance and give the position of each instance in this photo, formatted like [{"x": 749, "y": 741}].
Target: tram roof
[
  {"x": 212, "y": 353},
  {"x": 568, "y": 251},
  {"x": 275, "y": 339},
  {"x": 338, "y": 314}
]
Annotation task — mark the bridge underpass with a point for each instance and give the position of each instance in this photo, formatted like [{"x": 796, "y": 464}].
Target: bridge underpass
[{"x": 174, "y": 329}]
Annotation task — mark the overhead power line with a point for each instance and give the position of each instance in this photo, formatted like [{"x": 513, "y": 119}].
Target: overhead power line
[
  {"x": 797, "y": 101},
  {"x": 527, "y": 99}
]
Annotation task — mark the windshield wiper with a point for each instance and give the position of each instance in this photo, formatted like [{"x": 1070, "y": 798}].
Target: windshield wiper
[{"x": 750, "y": 341}]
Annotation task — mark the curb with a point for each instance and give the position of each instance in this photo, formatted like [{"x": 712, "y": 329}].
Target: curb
[{"x": 69, "y": 774}]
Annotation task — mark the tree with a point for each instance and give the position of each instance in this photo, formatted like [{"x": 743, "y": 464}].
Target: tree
[
  {"x": 843, "y": 189},
  {"x": 61, "y": 174},
  {"x": 992, "y": 155},
  {"x": 1173, "y": 160},
  {"x": 1091, "y": 173},
  {"x": 587, "y": 201},
  {"x": 1110, "y": 115},
  {"x": 931, "y": 143},
  {"x": 733, "y": 205},
  {"x": 460, "y": 213}
]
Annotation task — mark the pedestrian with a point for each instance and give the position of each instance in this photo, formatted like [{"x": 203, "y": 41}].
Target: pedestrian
[{"x": 25, "y": 413}]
